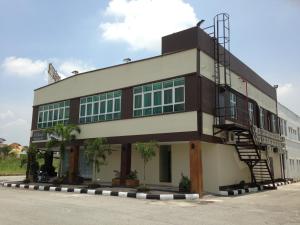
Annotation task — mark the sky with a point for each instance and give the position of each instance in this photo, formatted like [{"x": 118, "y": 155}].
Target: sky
[{"x": 84, "y": 35}]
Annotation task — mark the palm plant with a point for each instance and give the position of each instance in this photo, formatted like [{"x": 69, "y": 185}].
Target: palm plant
[
  {"x": 147, "y": 151},
  {"x": 61, "y": 135},
  {"x": 96, "y": 151}
]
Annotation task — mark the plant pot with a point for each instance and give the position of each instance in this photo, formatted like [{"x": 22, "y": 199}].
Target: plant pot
[
  {"x": 132, "y": 183},
  {"x": 116, "y": 182}
]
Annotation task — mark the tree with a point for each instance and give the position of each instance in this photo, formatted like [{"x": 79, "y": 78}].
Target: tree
[
  {"x": 96, "y": 151},
  {"x": 4, "y": 151},
  {"x": 32, "y": 164},
  {"x": 61, "y": 135},
  {"x": 147, "y": 151}
]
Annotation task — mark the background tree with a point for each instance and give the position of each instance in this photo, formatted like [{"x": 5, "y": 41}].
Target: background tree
[
  {"x": 32, "y": 164},
  {"x": 61, "y": 135},
  {"x": 4, "y": 151},
  {"x": 147, "y": 151},
  {"x": 96, "y": 151}
]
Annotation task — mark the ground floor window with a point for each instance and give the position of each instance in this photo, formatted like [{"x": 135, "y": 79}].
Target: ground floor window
[
  {"x": 85, "y": 167},
  {"x": 165, "y": 158}
]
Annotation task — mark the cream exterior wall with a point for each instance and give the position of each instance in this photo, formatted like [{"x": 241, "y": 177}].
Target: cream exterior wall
[
  {"x": 222, "y": 166},
  {"x": 106, "y": 172},
  {"x": 207, "y": 123},
  {"x": 179, "y": 164},
  {"x": 292, "y": 158},
  {"x": 117, "y": 77},
  {"x": 207, "y": 70},
  {"x": 167, "y": 123}
]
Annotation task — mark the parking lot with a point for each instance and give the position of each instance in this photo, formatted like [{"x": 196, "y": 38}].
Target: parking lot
[{"x": 26, "y": 207}]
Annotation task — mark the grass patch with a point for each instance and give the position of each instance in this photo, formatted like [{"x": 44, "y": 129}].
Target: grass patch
[{"x": 12, "y": 165}]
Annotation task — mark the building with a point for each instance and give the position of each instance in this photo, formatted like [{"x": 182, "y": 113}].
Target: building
[
  {"x": 215, "y": 122},
  {"x": 290, "y": 130}
]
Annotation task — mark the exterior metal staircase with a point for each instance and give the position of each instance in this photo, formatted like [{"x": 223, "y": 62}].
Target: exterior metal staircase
[{"x": 250, "y": 153}]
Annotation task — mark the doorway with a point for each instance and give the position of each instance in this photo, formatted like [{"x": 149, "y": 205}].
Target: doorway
[{"x": 165, "y": 159}]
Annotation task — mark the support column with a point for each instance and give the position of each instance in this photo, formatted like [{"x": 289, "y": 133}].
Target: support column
[
  {"x": 196, "y": 173},
  {"x": 125, "y": 161},
  {"x": 73, "y": 163}
]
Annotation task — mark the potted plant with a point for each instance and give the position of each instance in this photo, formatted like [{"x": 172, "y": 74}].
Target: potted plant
[
  {"x": 116, "y": 181},
  {"x": 132, "y": 179},
  {"x": 185, "y": 184}
]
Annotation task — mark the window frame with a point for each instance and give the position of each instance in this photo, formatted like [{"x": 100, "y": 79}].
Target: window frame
[
  {"x": 161, "y": 108},
  {"x": 98, "y": 101},
  {"x": 57, "y": 109}
]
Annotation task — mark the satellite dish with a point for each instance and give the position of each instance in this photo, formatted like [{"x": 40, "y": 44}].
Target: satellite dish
[{"x": 52, "y": 74}]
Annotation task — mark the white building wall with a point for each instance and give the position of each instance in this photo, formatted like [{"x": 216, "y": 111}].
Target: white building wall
[{"x": 292, "y": 136}]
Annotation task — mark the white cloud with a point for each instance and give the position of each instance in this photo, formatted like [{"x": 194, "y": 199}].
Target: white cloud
[
  {"x": 142, "y": 23},
  {"x": 288, "y": 96},
  {"x": 26, "y": 67},
  {"x": 66, "y": 68},
  {"x": 23, "y": 67},
  {"x": 6, "y": 115}
]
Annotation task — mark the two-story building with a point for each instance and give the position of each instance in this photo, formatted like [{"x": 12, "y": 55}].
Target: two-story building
[
  {"x": 215, "y": 123},
  {"x": 290, "y": 130}
]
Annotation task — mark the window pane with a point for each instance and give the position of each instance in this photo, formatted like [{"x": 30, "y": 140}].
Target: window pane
[
  {"x": 50, "y": 115},
  {"x": 88, "y": 119},
  {"x": 168, "y": 96},
  {"x": 157, "y": 86},
  {"x": 147, "y": 99},
  {"x": 109, "y": 116},
  {"x": 55, "y": 117},
  {"x": 147, "y": 87},
  {"x": 179, "y": 108},
  {"x": 157, "y": 110},
  {"x": 168, "y": 83},
  {"x": 179, "y": 81},
  {"x": 89, "y": 99},
  {"x": 82, "y": 120},
  {"x": 101, "y": 118},
  {"x": 102, "y": 96},
  {"x": 67, "y": 111},
  {"x": 147, "y": 112},
  {"x": 117, "y": 105},
  {"x": 102, "y": 107},
  {"x": 45, "y": 116},
  {"x": 137, "y": 113},
  {"x": 109, "y": 106},
  {"x": 137, "y": 101},
  {"x": 96, "y": 98},
  {"x": 62, "y": 104},
  {"x": 117, "y": 115},
  {"x": 95, "y": 118},
  {"x": 137, "y": 90},
  {"x": 40, "y": 117},
  {"x": 82, "y": 110},
  {"x": 117, "y": 93},
  {"x": 157, "y": 98},
  {"x": 67, "y": 103},
  {"x": 179, "y": 94},
  {"x": 96, "y": 108},
  {"x": 61, "y": 113},
  {"x": 83, "y": 100},
  {"x": 110, "y": 95},
  {"x": 89, "y": 109},
  {"x": 168, "y": 108}
]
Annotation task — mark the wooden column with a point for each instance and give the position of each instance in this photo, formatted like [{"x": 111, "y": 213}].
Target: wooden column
[
  {"x": 196, "y": 173},
  {"x": 125, "y": 161},
  {"x": 73, "y": 163}
]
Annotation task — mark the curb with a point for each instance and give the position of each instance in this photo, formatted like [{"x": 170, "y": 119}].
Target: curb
[
  {"x": 253, "y": 189},
  {"x": 104, "y": 192}
]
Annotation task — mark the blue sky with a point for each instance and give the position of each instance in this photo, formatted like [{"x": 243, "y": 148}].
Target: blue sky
[{"x": 91, "y": 34}]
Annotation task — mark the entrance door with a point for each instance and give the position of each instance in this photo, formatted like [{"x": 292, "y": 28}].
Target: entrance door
[
  {"x": 165, "y": 160},
  {"x": 85, "y": 168}
]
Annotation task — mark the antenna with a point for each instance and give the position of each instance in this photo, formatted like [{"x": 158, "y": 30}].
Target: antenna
[{"x": 52, "y": 74}]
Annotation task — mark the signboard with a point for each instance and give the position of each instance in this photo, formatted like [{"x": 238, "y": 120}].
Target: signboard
[{"x": 39, "y": 135}]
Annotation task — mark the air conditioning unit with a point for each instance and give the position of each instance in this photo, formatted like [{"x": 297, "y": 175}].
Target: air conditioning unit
[{"x": 230, "y": 139}]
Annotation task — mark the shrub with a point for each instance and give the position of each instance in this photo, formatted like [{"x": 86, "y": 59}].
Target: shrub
[
  {"x": 132, "y": 175},
  {"x": 185, "y": 184}
]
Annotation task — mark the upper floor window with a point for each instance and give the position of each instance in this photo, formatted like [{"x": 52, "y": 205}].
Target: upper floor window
[
  {"x": 261, "y": 118},
  {"x": 101, "y": 107},
  {"x": 233, "y": 109},
  {"x": 251, "y": 112},
  {"x": 298, "y": 130},
  {"x": 283, "y": 127},
  {"x": 51, "y": 114},
  {"x": 157, "y": 98}
]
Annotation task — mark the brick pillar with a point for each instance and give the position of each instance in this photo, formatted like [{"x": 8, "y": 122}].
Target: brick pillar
[
  {"x": 73, "y": 163},
  {"x": 125, "y": 161},
  {"x": 196, "y": 174}
]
